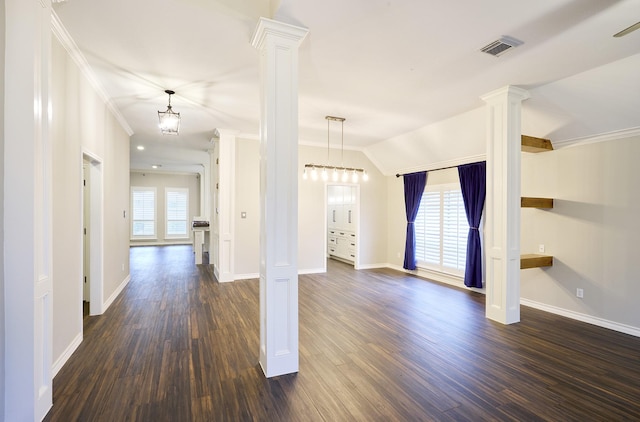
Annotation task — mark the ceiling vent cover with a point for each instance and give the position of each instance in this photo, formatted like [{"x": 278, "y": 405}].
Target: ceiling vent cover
[{"x": 501, "y": 46}]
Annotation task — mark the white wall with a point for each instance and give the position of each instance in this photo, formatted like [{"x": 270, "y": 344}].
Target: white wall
[
  {"x": 591, "y": 231},
  {"x": 161, "y": 181},
  {"x": 438, "y": 145},
  {"x": 81, "y": 123},
  {"x": 311, "y": 211},
  {"x": 247, "y": 197}
]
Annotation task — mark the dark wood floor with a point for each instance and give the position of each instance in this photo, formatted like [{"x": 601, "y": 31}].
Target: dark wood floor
[{"x": 375, "y": 345}]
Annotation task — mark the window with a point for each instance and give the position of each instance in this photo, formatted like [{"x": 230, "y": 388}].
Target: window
[
  {"x": 177, "y": 204},
  {"x": 143, "y": 206},
  {"x": 442, "y": 229}
]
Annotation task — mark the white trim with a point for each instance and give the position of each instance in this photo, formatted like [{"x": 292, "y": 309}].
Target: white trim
[
  {"x": 601, "y": 137},
  {"x": 600, "y": 322},
  {"x": 115, "y": 294},
  {"x": 79, "y": 59},
  {"x": 312, "y": 271},
  {"x": 439, "y": 277},
  {"x": 64, "y": 357},
  {"x": 154, "y": 242},
  {"x": 248, "y": 276},
  {"x": 373, "y": 266}
]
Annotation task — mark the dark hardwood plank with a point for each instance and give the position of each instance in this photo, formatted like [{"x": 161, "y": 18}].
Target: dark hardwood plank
[{"x": 375, "y": 345}]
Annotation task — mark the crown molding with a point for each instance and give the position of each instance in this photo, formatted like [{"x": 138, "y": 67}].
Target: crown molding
[
  {"x": 601, "y": 137},
  {"x": 71, "y": 47}
]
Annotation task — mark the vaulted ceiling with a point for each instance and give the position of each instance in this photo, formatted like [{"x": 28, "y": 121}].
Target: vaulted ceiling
[{"x": 388, "y": 66}]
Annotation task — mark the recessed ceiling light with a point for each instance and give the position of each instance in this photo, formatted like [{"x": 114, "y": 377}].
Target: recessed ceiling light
[
  {"x": 140, "y": 147},
  {"x": 155, "y": 166}
]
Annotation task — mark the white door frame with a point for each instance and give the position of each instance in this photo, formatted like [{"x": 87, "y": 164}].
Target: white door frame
[
  {"x": 96, "y": 294},
  {"x": 356, "y": 261}
]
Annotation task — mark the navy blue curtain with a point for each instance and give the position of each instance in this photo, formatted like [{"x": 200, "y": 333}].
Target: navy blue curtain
[
  {"x": 474, "y": 187},
  {"x": 414, "y": 184}
]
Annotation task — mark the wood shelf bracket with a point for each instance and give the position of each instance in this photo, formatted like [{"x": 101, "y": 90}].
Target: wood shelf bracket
[
  {"x": 531, "y": 202},
  {"x": 533, "y": 144},
  {"x": 535, "y": 261}
]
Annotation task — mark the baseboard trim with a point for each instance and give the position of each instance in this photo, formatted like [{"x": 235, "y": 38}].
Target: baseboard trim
[
  {"x": 115, "y": 294},
  {"x": 250, "y": 276},
  {"x": 372, "y": 266},
  {"x": 64, "y": 357},
  {"x": 246, "y": 276},
  {"x": 450, "y": 279},
  {"x": 600, "y": 322},
  {"x": 312, "y": 271}
]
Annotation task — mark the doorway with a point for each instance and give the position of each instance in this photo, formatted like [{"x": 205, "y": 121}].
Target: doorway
[
  {"x": 343, "y": 222},
  {"x": 92, "y": 235},
  {"x": 86, "y": 236}
]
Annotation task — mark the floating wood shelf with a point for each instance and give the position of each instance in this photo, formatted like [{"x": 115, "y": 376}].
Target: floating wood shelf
[
  {"x": 535, "y": 261},
  {"x": 530, "y": 202},
  {"x": 532, "y": 144}
]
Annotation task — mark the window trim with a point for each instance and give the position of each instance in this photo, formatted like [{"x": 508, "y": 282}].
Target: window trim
[
  {"x": 154, "y": 236},
  {"x": 187, "y": 234},
  {"x": 440, "y": 268}
]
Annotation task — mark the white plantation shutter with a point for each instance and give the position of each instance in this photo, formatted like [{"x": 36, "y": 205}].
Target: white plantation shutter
[
  {"x": 143, "y": 206},
  {"x": 177, "y": 203},
  {"x": 441, "y": 229},
  {"x": 427, "y": 228},
  {"x": 454, "y": 230}
]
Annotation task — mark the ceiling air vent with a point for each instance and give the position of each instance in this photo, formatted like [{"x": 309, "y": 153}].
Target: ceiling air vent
[{"x": 501, "y": 46}]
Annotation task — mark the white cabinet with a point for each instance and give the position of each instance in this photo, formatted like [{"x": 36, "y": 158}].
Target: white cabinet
[{"x": 341, "y": 222}]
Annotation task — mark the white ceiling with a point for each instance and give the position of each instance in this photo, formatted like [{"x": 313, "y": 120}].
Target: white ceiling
[{"x": 388, "y": 66}]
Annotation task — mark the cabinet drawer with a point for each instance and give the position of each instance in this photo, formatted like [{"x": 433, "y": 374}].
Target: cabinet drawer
[{"x": 332, "y": 240}]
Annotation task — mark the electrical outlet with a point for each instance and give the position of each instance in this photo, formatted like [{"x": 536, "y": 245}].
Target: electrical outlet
[
  {"x": 580, "y": 293},
  {"x": 541, "y": 248},
  {"x": 122, "y": 267},
  {"x": 399, "y": 254}
]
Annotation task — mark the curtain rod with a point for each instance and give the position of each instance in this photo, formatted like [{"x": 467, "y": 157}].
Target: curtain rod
[{"x": 442, "y": 168}]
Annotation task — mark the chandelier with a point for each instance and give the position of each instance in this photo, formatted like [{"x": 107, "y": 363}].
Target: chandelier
[
  {"x": 169, "y": 120},
  {"x": 338, "y": 173}
]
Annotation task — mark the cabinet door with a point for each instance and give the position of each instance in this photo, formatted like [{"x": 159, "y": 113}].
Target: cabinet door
[{"x": 332, "y": 217}]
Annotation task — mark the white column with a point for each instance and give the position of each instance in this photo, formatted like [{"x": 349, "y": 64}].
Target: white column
[
  {"x": 226, "y": 204},
  {"x": 27, "y": 211},
  {"x": 502, "y": 207},
  {"x": 278, "y": 45}
]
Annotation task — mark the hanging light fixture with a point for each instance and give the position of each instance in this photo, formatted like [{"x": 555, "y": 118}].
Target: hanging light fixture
[
  {"x": 337, "y": 172},
  {"x": 169, "y": 120}
]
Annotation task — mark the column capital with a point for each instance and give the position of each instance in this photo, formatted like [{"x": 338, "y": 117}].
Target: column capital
[
  {"x": 512, "y": 91},
  {"x": 269, "y": 28},
  {"x": 224, "y": 133}
]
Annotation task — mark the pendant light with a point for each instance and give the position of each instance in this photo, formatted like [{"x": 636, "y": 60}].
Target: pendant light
[
  {"x": 337, "y": 172},
  {"x": 169, "y": 120}
]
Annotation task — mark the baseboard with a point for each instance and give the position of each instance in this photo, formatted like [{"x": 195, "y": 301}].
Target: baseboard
[
  {"x": 372, "y": 266},
  {"x": 450, "y": 279},
  {"x": 600, "y": 322},
  {"x": 115, "y": 294},
  {"x": 312, "y": 271},
  {"x": 300, "y": 272},
  {"x": 59, "y": 363},
  {"x": 246, "y": 276}
]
